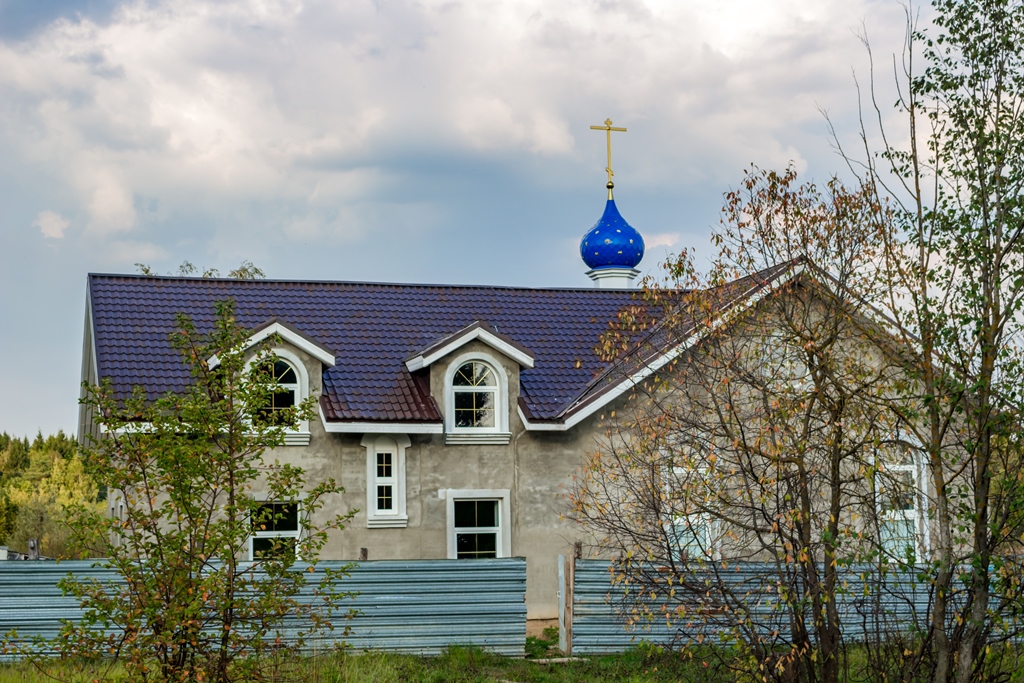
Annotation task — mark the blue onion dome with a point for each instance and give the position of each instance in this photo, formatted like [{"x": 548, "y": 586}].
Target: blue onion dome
[{"x": 612, "y": 242}]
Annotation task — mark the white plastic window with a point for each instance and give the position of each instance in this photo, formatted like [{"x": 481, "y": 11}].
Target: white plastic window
[
  {"x": 275, "y": 530},
  {"x": 900, "y": 505},
  {"x": 475, "y": 393}
]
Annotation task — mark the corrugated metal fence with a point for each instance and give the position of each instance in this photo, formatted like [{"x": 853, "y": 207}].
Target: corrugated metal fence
[
  {"x": 868, "y": 604},
  {"x": 417, "y": 606}
]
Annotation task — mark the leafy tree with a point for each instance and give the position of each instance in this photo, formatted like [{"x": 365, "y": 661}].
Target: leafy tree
[
  {"x": 245, "y": 271},
  {"x": 763, "y": 443},
  {"x": 25, "y": 466},
  {"x": 956, "y": 277},
  {"x": 42, "y": 510},
  {"x": 185, "y": 467}
]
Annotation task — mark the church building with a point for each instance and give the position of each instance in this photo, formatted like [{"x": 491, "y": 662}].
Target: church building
[{"x": 453, "y": 416}]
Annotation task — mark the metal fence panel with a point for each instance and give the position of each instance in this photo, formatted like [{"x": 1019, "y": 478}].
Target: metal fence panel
[
  {"x": 414, "y": 606},
  {"x": 868, "y": 603}
]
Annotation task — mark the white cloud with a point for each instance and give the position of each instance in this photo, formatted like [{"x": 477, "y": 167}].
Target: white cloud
[
  {"x": 51, "y": 224},
  {"x": 665, "y": 239},
  {"x": 124, "y": 254},
  {"x": 407, "y": 140},
  {"x": 110, "y": 204}
]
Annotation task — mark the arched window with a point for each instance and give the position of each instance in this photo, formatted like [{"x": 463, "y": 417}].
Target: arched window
[
  {"x": 287, "y": 393},
  {"x": 476, "y": 401},
  {"x": 475, "y": 393}
]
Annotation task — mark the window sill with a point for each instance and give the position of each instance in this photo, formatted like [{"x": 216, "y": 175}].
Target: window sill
[
  {"x": 387, "y": 522},
  {"x": 296, "y": 439},
  {"x": 500, "y": 438}
]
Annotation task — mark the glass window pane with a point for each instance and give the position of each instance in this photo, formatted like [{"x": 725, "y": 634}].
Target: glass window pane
[
  {"x": 385, "y": 500},
  {"x": 482, "y": 375},
  {"x": 283, "y": 399},
  {"x": 474, "y": 374},
  {"x": 474, "y": 409},
  {"x": 689, "y": 535},
  {"x": 465, "y": 513},
  {"x": 898, "y": 536},
  {"x": 384, "y": 464},
  {"x": 476, "y": 546},
  {"x": 284, "y": 373},
  {"x": 464, "y": 376},
  {"x": 486, "y": 513},
  {"x": 276, "y": 517},
  {"x": 476, "y": 513},
  {"x": 898, "y": 490},
  {"x": 263, "y": 548}
]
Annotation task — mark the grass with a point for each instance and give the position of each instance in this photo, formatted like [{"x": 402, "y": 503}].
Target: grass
[
  {"x": 545, "y": 646},
  {"x": 456, "y": 665}
]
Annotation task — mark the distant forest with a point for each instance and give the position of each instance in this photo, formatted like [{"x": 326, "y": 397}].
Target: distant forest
[{"x": 39, "y": 481}]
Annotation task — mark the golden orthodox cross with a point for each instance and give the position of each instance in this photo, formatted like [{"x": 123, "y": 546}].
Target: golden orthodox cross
[{"x": 607, "y": 128}]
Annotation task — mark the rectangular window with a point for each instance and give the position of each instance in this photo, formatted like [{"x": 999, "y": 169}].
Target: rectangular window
[
  {"x": 690, "y": 536},
  {"x": 275, "y": 530},
  {"x": 689, "y": 530},
  {"x": 474, "y": 409},
  {"x": 385, "y": 482},
  {"x": 898, "y": 502},
  {"x": 477, "y": 529}
]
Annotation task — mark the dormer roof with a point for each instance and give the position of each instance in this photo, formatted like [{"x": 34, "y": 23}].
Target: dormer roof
[
  {"x": 289, "y": 334},
  {"x": 478, "y": 330}
]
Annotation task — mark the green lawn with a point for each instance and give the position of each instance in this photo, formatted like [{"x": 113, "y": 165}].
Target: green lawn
[{"x": 455, "y": 666}]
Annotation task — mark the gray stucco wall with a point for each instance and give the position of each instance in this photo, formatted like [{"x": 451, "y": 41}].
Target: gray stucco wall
[{"x": 533, "y": 466}]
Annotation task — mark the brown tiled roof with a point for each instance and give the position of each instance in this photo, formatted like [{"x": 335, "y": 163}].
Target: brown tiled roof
[{"x": 373, "y": 328}]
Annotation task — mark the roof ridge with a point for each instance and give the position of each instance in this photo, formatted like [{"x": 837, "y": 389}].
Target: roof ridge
[{"x": 357, "y": 283}]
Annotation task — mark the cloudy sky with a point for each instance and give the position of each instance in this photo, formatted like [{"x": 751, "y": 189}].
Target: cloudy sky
[{"x": 442, "y": 141}]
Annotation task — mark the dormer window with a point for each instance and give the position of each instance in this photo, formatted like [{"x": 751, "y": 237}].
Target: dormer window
[
  {"x": 475, "y": 391},
  {"x": 476, "y": 401},
  {"x": 287, "y": 369},
  {"x": 287, "y": 394}
]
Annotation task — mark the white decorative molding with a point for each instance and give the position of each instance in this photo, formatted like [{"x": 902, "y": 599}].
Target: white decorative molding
[
  {"x": 499, "y": 438},
  {"x": 499, "y": 433},
  {"x": 613, "y": 278},
  {"x": 503, "y": 497},
  {"x": 495, "y": 342},
  {"x": 300, "y": 435},
  {"x": 288, "y": 335},
  {"x": 396, "y": 444},
  {"x": 387, "y": 522},
  {"x": 296, "y": 438}
]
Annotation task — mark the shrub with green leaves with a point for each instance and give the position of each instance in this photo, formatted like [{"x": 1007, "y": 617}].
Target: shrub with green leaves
[{"x": 185, "y": 467}]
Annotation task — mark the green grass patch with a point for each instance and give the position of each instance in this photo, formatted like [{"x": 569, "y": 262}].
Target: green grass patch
[{"x": 456, "y": 665}]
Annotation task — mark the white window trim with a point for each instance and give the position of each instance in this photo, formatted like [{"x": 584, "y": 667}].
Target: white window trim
[
  {"x": 918, "y": 516},
  {"x": 297, "y": 534},
  {"x": 708, "y": 547},
  {"x": 711, "y": 550},
  {"x": 299, "y": 436},
  {"x": 499, "y": 433},
  {"x": 504, "y": 545},
  {"x": 399, "y": 518}
]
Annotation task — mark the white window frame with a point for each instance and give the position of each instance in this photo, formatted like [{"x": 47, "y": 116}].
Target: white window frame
[
  {"x": 709, "y": 548},
  {"x": 299, "y": 436},
  {"x": 918, "y": 521},
  {"x": 504, "y": 535},
  {"x": 297, "y": 534},
  {"x": 382, "y": 443},
  {"x": 499, "y": 433}
]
